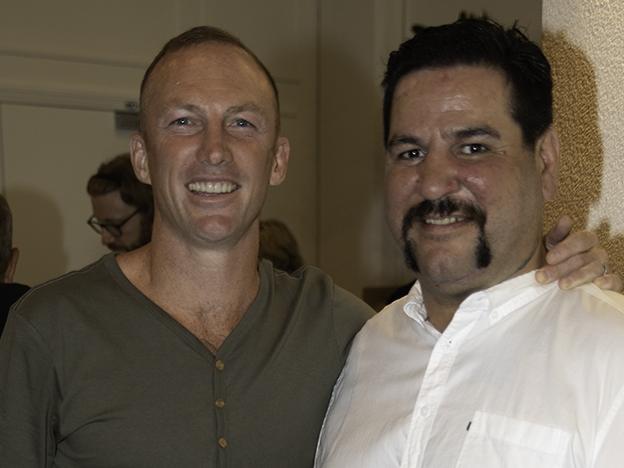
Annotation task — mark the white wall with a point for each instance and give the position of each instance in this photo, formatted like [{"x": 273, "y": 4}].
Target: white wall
[{"x": 584, "y": 40}]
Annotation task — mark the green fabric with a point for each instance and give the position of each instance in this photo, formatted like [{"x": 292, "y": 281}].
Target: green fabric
[{"x": 93, "y": 374}]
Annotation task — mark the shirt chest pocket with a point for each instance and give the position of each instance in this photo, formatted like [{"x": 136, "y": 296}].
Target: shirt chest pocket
[{"x": 494, "y": 441}]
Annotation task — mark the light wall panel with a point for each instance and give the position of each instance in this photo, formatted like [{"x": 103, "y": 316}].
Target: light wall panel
[{"x": 584, "y": 40}]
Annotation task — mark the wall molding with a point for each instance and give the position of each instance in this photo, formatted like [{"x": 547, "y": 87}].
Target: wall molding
[
  {"x": 66, "y": 100},
  {"x": 74, "y": 58}
]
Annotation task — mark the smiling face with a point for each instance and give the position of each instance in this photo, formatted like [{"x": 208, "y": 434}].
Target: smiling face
[
  {"x": 209, "y": 145},
  {"x": 464, "y": 195}
]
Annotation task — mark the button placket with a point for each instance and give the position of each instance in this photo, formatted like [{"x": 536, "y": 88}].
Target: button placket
[{"x": 219, "y": 402}]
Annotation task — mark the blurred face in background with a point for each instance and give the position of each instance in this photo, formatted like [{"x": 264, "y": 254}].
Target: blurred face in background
[{"x": 121, "y": 226}]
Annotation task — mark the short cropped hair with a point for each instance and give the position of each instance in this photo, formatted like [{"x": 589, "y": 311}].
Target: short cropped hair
[
  {"x": 481, "y": 42},
  {"x": 197, "y": 36},
  {"x": 6, "y": 235}
]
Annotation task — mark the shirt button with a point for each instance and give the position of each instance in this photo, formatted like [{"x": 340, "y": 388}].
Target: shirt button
[
  {"x": 424, "y": 411},
  {"x": 220, "y": 365},
  {"x": 494, "y": 316},
  {"x": 222, "y": 442},
  {"x": 219, "y": 403}
]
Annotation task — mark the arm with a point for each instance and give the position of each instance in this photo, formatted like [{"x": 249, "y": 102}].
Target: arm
[
  {"x": 27, "y": 388},
  {"x": 575, "y": 259}
]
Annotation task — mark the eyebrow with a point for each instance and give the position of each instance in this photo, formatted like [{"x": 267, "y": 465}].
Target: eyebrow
[
  {"x": 469, "y": 132},
  {"x": 456, "y": 134},
  {"x": 249, "y": 107},
  {"x": 404, "y": 140}
]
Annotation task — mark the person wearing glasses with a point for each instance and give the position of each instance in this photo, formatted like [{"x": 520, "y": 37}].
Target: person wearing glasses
[
  {"x": 123, "y": 207},
  {"x": 188, "y": 351}
]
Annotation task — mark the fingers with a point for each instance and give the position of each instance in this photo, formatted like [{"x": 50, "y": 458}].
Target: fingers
[
  {"x": 576, "y": 243},
  {"x": 575, "y": 270},
  {"x": 575, "y": 259},
  {"x": 558, "y": 232},
  {"x": 610, "y": 281}
]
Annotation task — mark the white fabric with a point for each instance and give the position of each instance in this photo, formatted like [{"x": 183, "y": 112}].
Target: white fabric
[{"x": 524, "y": 376}]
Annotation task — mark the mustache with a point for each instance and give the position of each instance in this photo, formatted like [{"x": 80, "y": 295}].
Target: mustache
[{"x": 442, "y": 207}]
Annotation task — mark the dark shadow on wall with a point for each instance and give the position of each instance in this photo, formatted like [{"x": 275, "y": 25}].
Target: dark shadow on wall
[
  {"x": 38, "y": 233},
  {"x": 582, "y": 153}
]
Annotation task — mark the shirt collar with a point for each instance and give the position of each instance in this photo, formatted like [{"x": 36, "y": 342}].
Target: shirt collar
[
  {"x": 499, "y": 300},
  {"x": 414, "y": 306}
]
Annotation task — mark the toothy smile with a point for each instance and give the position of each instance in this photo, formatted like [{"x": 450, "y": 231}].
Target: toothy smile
[
  {"x": 212, "y": 187},
  {"x": 443, "y": 221}
]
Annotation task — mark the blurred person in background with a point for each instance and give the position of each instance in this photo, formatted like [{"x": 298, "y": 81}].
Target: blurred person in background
[
  {"x": 123, "y": 207},
  {"x": 9, "y": 291},
  {"x": 278, "y": 244}
]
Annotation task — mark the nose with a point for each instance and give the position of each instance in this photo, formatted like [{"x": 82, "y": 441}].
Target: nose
[
  {"x": 214, "y": 150},
  {"x": 438, "y": 175}
]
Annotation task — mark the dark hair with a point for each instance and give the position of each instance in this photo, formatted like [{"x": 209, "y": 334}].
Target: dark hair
[
  {"x": 482, "y": 42},
  {"x": 6, "y": 234},
  {"x": 279, "y": 245},
  {"x": 118, "y": 174},
  {"x": 197, "y": 36}
]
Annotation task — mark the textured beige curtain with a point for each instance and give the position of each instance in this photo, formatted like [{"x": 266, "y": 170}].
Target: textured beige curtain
[{"x": 584, "y": 40}]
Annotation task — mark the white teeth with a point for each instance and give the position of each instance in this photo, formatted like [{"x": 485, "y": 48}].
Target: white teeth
[
  {"x": 442, "y": 221},
  {"x": 212, "y": 187}
]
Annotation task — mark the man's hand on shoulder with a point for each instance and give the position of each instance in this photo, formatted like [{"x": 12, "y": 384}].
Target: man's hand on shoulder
[{"x": 576, "y": 258}]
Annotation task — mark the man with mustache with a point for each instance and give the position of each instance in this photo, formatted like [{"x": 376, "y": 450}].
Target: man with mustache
[
  {"x": 479, "y": 365},
  {"x": 188, "y": 351}
]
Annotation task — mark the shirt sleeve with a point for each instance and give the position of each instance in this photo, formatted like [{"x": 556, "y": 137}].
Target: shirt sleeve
[
  {"x": 27, "y": 390},
  {"x": 610, "y": 437}
]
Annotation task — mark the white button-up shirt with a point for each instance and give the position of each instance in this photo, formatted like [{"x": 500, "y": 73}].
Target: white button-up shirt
[{"x": 524, "y": 376}]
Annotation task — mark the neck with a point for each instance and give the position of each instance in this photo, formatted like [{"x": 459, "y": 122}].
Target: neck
[
  {"x": 442, "y": 301},
  {"x": 206, "y": 290}
]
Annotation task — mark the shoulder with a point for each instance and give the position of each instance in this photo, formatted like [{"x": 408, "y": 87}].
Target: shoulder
[
  {"x": 588, "y": 319},
  {"x": 315, "y": 292},
  {"x": 388, "y": 320},
  {"x": 589, "y": 304},
  {"x": 70, "y": 291}
]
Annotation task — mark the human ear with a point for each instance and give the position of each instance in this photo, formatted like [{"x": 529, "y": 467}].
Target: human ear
[
  {"x": 548, "y": 162},
  {"x": 138, "y": 156},
  {"x": 280, "y": 161}
]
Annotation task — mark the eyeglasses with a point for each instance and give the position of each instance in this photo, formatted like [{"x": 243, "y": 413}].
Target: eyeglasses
[{"x": 114, "y": 229}]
